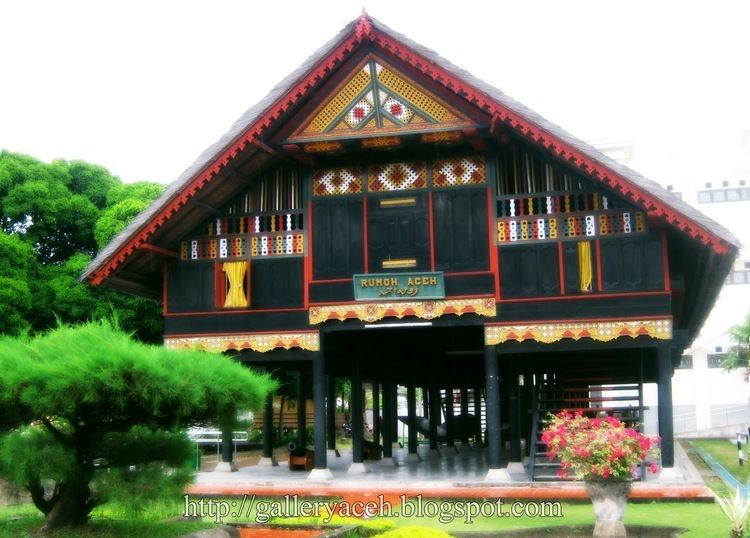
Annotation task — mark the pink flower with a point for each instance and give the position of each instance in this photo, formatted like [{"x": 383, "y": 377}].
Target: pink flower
[{"x": 653, "y": 468}]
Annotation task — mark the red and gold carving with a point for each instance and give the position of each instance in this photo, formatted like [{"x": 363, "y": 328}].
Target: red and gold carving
[
  {"x": 602, "y": 330},
  {"x": 260, "y": 342},
  {"x": 371, "y": 312},
  {"x": 381, "y": 142},
  {"x": 442, "y": 137},
  {"x": 324, "y": 146}
]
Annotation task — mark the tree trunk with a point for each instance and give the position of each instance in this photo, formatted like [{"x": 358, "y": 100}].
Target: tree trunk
[{"x": 72, "y": 506}]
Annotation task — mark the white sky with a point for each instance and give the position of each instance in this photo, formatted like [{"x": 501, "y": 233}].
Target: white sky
[{"x": 143, "y": 87}]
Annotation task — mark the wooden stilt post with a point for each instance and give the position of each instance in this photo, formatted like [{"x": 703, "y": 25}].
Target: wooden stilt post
[
  {"x": 301, "y": 410},
  {"x": 666, "y": 427},
  {"x": 331, "y": 410}
]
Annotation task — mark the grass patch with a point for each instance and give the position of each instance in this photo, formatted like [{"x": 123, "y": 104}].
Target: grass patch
[
  {"x": 714, "y": 482},
  {"x": 726, "y": 454},
  {"x": 158, "y": 520},
  {"x": 162, "y": 521},
  {"x": 700, "y": 519}
]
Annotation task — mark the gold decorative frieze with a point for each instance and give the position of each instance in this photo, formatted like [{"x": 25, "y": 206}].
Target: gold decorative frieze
[
  {"x": 370, "y": 312},
  {"x": 260, "y": 342},
  {"x": 602, "y": 330}
]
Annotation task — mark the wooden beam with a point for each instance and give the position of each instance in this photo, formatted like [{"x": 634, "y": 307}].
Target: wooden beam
[
  {"x": 265, "y": 147},
  {"x": 241, "y": 178},
  {"x": 158, "y": 250},
  {"x": 133, "y": 287},
  {"x": 197, "y": 203}
]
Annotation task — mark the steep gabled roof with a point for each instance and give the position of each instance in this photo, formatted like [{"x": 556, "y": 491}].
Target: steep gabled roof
[{"x": 249, "y": 130}]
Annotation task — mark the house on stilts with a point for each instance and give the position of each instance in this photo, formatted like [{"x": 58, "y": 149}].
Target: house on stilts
[{"x": 383, "y": 216}]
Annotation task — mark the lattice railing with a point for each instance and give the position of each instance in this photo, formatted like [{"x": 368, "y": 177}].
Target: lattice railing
[
  {"x": 570, "y": 226},
  {"x": 280, "y": 234}
]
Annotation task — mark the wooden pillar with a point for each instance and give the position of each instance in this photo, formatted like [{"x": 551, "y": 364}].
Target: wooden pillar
[
  {"x": 388, "y": 412},
  {"x": 301, "y": 410},
  {"x": 319, "y": 399},
  {"x": 394, "y": 416},
  {"x": 425, "y": 402},
  {"x": 449, "y": 422},
  {"x": 514, "y": 411},
  {"x": 376, "y": 412},
  {"x": 356, "y": 419},
  {"x": 268, "y": 427},
  {"x": 464, "y": 414},
  {"x": 411, "y": 403},
  {"x": 478, "y": 413},
  {"x": 331, "y": 410},
  {"x": 434, "y": 395},
  {"x": 227, "y": 454},
  {"x": 527, "y": 402},
  {"x": 666, "y": 426},
  {"x": 492, "y": 401}
]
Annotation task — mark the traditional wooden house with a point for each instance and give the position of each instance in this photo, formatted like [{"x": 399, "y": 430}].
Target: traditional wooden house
[{"x": 382, "y": 215}]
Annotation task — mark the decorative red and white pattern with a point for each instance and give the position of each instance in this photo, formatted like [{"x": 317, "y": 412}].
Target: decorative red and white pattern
[
  {"x": 397, "y": 177},
  {"x": 396, "y": 108},
  {"x": 337, "y": 181},
  {"x": 359, "y": 112},
  {"x": 458, "y": 172}
]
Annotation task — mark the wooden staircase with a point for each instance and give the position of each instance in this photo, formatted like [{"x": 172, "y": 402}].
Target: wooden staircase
[{"x": 590, "y": 390}]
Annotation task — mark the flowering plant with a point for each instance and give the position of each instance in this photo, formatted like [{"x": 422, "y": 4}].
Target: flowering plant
[{"x": 597, "y": 448}]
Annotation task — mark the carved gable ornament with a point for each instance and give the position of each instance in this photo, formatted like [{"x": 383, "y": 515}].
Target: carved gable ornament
[{"x": 377, "y": 100}]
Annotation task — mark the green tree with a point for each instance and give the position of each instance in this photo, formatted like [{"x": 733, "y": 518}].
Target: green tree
[
  {"x": 90, "y": 180},
  {"x": 56, "y": 222},
  {"x": 738, "y": 355},
  {"x": 99, "y": 415},
  {"x": 124, "y": 202},
  {"x": 72, "y": 301},
  {"x": 64, "y": 211},
  {"x": 16, "y": 263}
]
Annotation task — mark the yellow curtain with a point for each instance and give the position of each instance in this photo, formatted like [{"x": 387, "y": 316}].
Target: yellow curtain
[
  {"x": 236, "y": 293},
  {"x": 584, "y": 265}
]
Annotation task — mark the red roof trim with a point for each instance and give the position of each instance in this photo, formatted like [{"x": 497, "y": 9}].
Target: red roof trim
[
  {"x": 256, "y": 129},
  {"x": 365, "y": 31},
  {"x": 554, "y": 144}
]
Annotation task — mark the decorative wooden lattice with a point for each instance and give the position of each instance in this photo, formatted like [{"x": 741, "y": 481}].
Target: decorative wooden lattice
[
  {"x": 397, "y": 177},
  {"x": 376, "y": 98},
  {"x": 337, "y": 181},
  {"x": 458, "y": 172},
  {"x": 234, "y": 247},
  {"x": 572, "y": 226}
]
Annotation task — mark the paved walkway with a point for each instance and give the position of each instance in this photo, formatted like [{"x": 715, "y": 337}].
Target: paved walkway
[{"x": 456, "y": 473}]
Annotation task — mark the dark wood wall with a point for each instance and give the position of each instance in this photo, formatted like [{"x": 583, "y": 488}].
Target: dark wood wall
[{"x": 450, "y": 229}]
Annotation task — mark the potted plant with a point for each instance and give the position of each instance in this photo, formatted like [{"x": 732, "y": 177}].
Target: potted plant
[{"x": 605, "y": 454}]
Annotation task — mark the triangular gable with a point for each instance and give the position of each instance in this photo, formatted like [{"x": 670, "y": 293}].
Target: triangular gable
[
  {"x": 376, "y": 99},
  {"x": 249, "y": 131}
]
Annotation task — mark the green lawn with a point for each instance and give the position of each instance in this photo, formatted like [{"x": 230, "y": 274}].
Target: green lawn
[
  {"x": 701, "y": 520},
  {"x": 726, "y": 454},
  {"x": 107, "y": 522}
]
